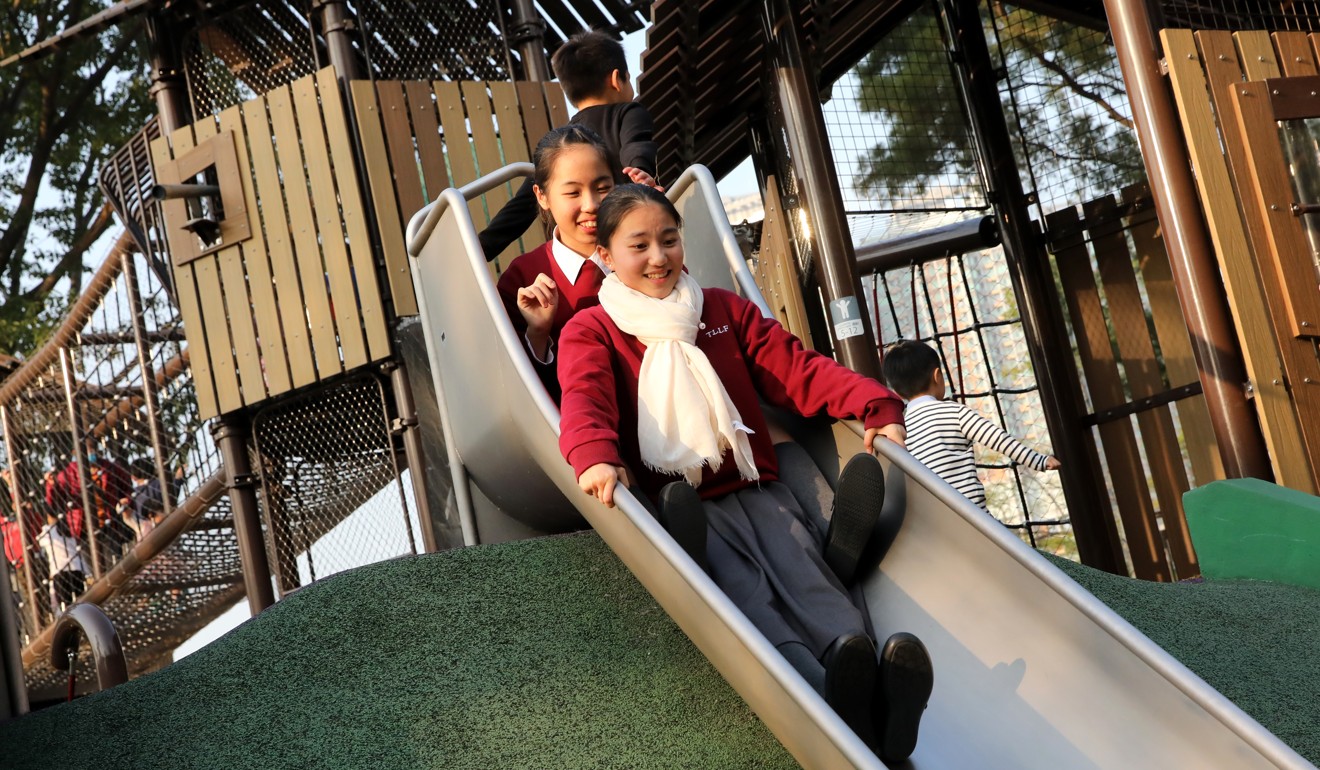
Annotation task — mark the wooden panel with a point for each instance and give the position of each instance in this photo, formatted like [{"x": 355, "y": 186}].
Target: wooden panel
[
  {"x": 190, "y": 308},
  {"x": 485, "y": 144},
  {"x": 1144, "y": 378},
  {"x": 279, "y": 245},
  {"x": 1295, "y": 56},
  {"x": 513, "y": 140},
  {"x": 384, "y": 205},
  {"x": 1176, "y": 349},
  {"x": 556, "y": 104},
  {"x": 782, "y": 288},
  {"x": 261, "y": 289},
  {"x": 302, "y": 225},
  {"x": 399, "y": 142},
  {"x": 207, "y": 272},
  {"x": 462, "y": 166},
  {"x": 430, "y": 147},
  {"x": 1256, "y": 51},
  {"x": 536, "y": 118},
  {"x": 1135, "y": 510},
  {"x": 371, "y": 305},
  {"x": 325, "y": 210},
  {"x": 1242, "y": 284}
]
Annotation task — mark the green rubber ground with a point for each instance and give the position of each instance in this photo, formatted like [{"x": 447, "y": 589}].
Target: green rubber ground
[{"x": 539, "y": 654}]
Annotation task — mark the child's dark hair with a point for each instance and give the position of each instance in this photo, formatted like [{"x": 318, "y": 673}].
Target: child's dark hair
[
  {"x": 559, "y": 139},
  {"x": 583, "y": 64},
  {"x": 909, "y": 367},
  {"x": 623, "y": 199}
]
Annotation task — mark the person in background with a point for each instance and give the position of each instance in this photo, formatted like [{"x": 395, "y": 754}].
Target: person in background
[
  {"x": 942, "y": 434},
  {"x": 64, "y": 561},
  {"x": 593, "y": 71}
]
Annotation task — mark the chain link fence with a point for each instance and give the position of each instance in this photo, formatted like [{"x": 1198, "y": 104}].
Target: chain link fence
[{"x": 1236, "y": 15}]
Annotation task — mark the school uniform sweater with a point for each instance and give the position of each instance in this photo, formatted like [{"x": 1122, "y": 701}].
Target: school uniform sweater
[
  {"x": 751, "y": 354},
  {"x": 628, "y": 132},
  {"x": 572, "y": 298},
  {"x": 941, "y": 435}
]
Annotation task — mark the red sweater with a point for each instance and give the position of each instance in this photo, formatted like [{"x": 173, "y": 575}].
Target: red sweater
[
  {"x": 522, "y": 272},
  {"x": 751, "y": 354}
]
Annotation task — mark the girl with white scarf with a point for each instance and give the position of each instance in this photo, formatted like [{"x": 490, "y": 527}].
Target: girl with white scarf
[{"x": 660, "y": 392}]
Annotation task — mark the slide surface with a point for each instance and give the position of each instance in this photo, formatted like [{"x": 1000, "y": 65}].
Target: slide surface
[{"x": 1031, "y": 671}]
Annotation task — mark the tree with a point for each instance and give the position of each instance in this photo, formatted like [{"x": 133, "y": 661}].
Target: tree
[
  {"x": 1064, "y": 76},
  {"x": 65, "y": 112}
]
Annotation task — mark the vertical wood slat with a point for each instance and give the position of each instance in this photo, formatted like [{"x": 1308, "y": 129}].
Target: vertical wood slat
[
  {"x": 384, "y": 203},
  {"x": 507, "y": 99},
  {"x": 329, "y": 227},
  {"x": 1295, "y": 56},
  {"x": 784, "y": 289},
  {"x": 555, "y": 104},
  {"x": 399, "y": 144},
  {"x": 311, "y": 272},
  {"x": 189, "y": 305},
  {"x": 485, "y": 144},
  {"x": 265, "y": 310},
  {"x": 207, "y": 272},
  {"x": 462, "y": 166},
  {"x": 1135, "y": 510},
  {"x": 430, "y": 147},
  {"x": 535, "y": 114},
  {"x": 343, "y": 163},
  {"x": 292, "y": 309},
  {"x": 1176, "y": 349},
  {"x": 1242, "y": 284},
  {"x": 1128, "y": 318}
]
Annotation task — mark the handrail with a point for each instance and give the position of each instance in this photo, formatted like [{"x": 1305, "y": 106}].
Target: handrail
[
  {"x": 107, "y": 651},
  {"x": 423, "y": 223}
]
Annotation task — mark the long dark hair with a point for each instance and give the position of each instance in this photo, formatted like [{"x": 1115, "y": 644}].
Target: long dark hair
[
  {"x": 624, "y": 199},
  {"x": 560, "y": 139}
]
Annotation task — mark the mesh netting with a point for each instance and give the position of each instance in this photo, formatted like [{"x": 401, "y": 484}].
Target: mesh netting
[
  {"x": 433, "y": 41},
  {"x": 246, "y": 52},
  {"x": 331, "y": 492},
  {"x": 1235, "y": 15}
]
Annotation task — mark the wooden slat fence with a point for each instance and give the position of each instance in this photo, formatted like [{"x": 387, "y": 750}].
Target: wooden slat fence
[{"x": 1149, "y": 418}]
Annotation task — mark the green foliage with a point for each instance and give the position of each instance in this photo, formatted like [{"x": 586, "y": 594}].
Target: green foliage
[
  {"x": 65, "y": 113},
  {"x": 1075, "y": 129}
]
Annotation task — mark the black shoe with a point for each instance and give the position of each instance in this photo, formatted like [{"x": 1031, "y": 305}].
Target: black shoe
[
  {"x": 850, "y": 675},
  {"x": 902, "y": 690},
  {"x": 857, "y": 500},
  {"x": 684, "y": 518}
]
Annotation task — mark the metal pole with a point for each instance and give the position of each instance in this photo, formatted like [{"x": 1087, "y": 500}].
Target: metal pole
[
  {"x": 75, "y": 431},
  {"x": 15, "y": 463},
  {"x": 336, "y": 24},
  {"x": 168, "y": 85},
  {"x": 1195, "y": 273},
  {"x": 230, "y": 434},
  {"x": 528, "y": 34},
  {"x": 413, "y": 449},
  {"x": 1097, "y": 537},
  {"x": 14, "y": 700},
  {"x": 148, "y": 381},
  {"x": 818, "y": 185}
]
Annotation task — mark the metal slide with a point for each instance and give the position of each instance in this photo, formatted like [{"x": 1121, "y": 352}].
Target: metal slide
[{"x": 1031, "y": 671}]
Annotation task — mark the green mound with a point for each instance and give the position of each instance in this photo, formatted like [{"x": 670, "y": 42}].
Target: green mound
[
  {"x": 543, "y": 653},
  {"x": 1256, "y": 642}
]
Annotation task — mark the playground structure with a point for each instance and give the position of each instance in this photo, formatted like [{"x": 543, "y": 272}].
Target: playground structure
[{"x": 256, "y": 336}]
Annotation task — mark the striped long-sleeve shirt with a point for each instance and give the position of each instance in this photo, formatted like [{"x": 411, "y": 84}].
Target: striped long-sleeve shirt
[{"x": 941, "y": 435}]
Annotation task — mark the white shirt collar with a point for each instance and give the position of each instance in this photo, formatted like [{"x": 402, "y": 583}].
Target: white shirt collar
[
  {"x": 569, "y": 261},
  {"x": 922, "y": 400}
]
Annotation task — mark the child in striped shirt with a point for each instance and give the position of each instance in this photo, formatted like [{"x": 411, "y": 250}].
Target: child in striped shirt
[{"x": 941, "y": 433}]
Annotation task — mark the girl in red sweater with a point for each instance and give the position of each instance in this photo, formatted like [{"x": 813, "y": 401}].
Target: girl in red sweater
[
  {"x": 543, "y": 288},
  {"x": 660, "y": 381}
]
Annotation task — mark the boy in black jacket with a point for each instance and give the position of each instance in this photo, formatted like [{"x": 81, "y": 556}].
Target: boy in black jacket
[{"x": 593, "y": 71}]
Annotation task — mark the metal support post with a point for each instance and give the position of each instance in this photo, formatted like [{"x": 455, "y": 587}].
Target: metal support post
[
  {"x": 818, "y": 185},
  {"x": 1097, "y": 536},
  {"x": 168, "y": 85},
  {"x": 528, "y": 35},
  {"x": 1195, "y": 273},
  {"x": 413, "y": 449},
  {"x": 148, "y": 380},
  {"x": 16, "y": 495},
  {"x": 231, "y": 439},
  {"x": 337, "y": 23}
]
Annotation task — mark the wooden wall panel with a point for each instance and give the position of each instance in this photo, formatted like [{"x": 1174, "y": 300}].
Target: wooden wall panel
[
  {"x": 430, "y": 145},
  {"x": 777, "y": 270},
  {"x": 385, "y": 206},
  {"x": 458, "y": 147},
  {"x": 513, "y": 141}
]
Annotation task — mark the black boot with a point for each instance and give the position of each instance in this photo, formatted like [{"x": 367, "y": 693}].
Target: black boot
[
  {"x": 902, "y": 689},
  {"x": 850, "y": 676},
  {"x": 684, "y": 518},
  {"x": 857, "y": 500}
]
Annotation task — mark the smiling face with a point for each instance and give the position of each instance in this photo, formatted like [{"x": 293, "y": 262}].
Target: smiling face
[
  {"x": 646, "y": 251},
  {"x": 579, "y": 179}
]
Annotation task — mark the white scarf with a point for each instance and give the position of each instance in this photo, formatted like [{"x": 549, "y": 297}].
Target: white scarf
[{"x": 685, "y": 418}]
